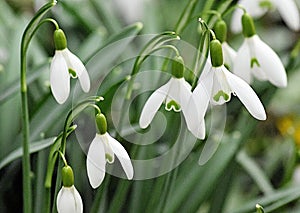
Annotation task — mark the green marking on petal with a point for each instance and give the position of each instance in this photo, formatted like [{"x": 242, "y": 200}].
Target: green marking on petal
[
  {"x": 266, "y": 4},
  {"x": 109, "y": 158},
  {"x": 72, "y": 73},
  {"x": 173, "y": 105},
  {"x": 220, "y": 94},
  {"x": 253, "y": 62}
]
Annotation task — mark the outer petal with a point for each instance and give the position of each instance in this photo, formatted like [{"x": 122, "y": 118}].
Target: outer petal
[
  {"x": 242, "y": 62},
  {"x": 289, "y": 12},
  {"x": 252, "y": 7},
  {"x": 246, "y": 95},
  {"x": 270, "y": 63},
  {"x": 122, "y": 155},
  {"x": 95, "y": 162},
  {"x": 75, "y": 64},
  {"x": 152, "y": 105},
  {"x": 59, "y": 78},
  {"x": 69, "y": 201},
  {"x": 229, "y": 54},
  {"x": 78, "y": 200}
]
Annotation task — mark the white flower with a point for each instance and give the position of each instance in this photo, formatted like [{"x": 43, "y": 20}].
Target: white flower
[
  {"x": 69, "y": 200},
  {"x": 63, "y": 62},
  {"x": 176, "y": 94},
  {"x": 216, "y": 84},
  {"x": 256, "y": 58},
  {"x": 256, "y": 8},
  {"x": 103, "y": 149}
]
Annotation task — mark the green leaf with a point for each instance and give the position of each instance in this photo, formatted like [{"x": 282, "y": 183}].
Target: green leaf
[{"x": 34, "y": 147}]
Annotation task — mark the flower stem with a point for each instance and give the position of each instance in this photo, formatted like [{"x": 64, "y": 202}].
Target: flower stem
[{"x": 26, "y": 38}]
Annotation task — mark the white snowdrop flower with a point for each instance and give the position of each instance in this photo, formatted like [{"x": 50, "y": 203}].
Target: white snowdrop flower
[
  {"x": 175, "y": 94},
  {"x": 256, "y": 58},
  {"x": 216, "y": 84},
  {"x": 63, "y": 66},
  {"x": 68, "y": 198},
  {"x": 103, "y": 150},
  {"x": 257, "y": 8}
]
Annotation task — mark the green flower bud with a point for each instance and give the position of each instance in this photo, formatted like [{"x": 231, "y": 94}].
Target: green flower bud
[
  {"x": 101, "y": 123},
  {"x": 220, "y": 29},
  {"x": 248, "y": 25},
  {"x": 216, "y": 53},
  {"x": 60, "y": 40},
  {"x": 67, "y": 176},
  {"x": 178, "y": 67}
]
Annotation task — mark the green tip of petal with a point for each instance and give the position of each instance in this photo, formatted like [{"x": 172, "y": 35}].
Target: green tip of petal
[
  {"x": 221, "y": 94},
  {"x": 266, "y": 4},
  {"x": 173, "y": 105},
  {"x": 101, "y": 123},
  {"x": 67, "y": 176},
  {"x": 253, "y": 62},
  {"x": 60, "y": 40},
  {"x": 72, "y": 73},
  {"x": 109, "y": 158}
]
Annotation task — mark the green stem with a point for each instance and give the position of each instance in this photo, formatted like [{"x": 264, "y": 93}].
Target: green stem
[{"x": 26, "y": 38}]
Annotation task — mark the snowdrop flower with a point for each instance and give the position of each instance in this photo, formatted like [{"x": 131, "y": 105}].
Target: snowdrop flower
[
  {"x": 256, "y": 58},
  {"x": 68, "y": 198},
  {"x": 175, "y": 94},
  {"x": 65, "y": 64},
  {"x": 257, "y": 8},
  {"x": 229, "y": 53},
  {"x": 216, "y": 84},
  {"x": 102, "y": 150}
]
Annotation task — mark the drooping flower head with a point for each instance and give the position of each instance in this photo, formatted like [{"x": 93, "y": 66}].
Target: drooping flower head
[
  {"x": 103, "y": 150},
  {"x": 216, "y": 85},
  {"x": 256, "y": 58},
  {"x": 257, "y": 8},
  {"x": 68, "y": 198},
  {"x": 175, "y": 94},
  {"x": 63, "y": 66}
]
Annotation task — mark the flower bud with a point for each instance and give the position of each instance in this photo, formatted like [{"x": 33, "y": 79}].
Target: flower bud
[
  {"x": 101, "y": 123},
  {"x": 178, "y": 67},
  {"x": 220, "y": 30},
  {"x": 60, "y": 40},
  {"x": 67, "y": 176},
  {"x": 248, "y": 25},
  {"x": 216, "y": 53}
]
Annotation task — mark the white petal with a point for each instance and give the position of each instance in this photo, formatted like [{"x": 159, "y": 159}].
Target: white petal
[
  {"x": 270, "y": 63},
  {"x": 242, "y": 63},
  {"x": 289, "y": 12},
  {"x": 152, "y": 105},
  {"x": 229, "y": 54},
  {"x": 59, "y": 78},
  {"x": 78, "y": 201},
  {"x": 69, "y": 200},
  {"x": 179, "y": 91},
  {"x": 75, "y": 64},
  {"x": 95, "y": 162},
  {"x": 122, "y": 155},
  {"x": 252, "y": 7},
  {"x": 246, "y": 95}
]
